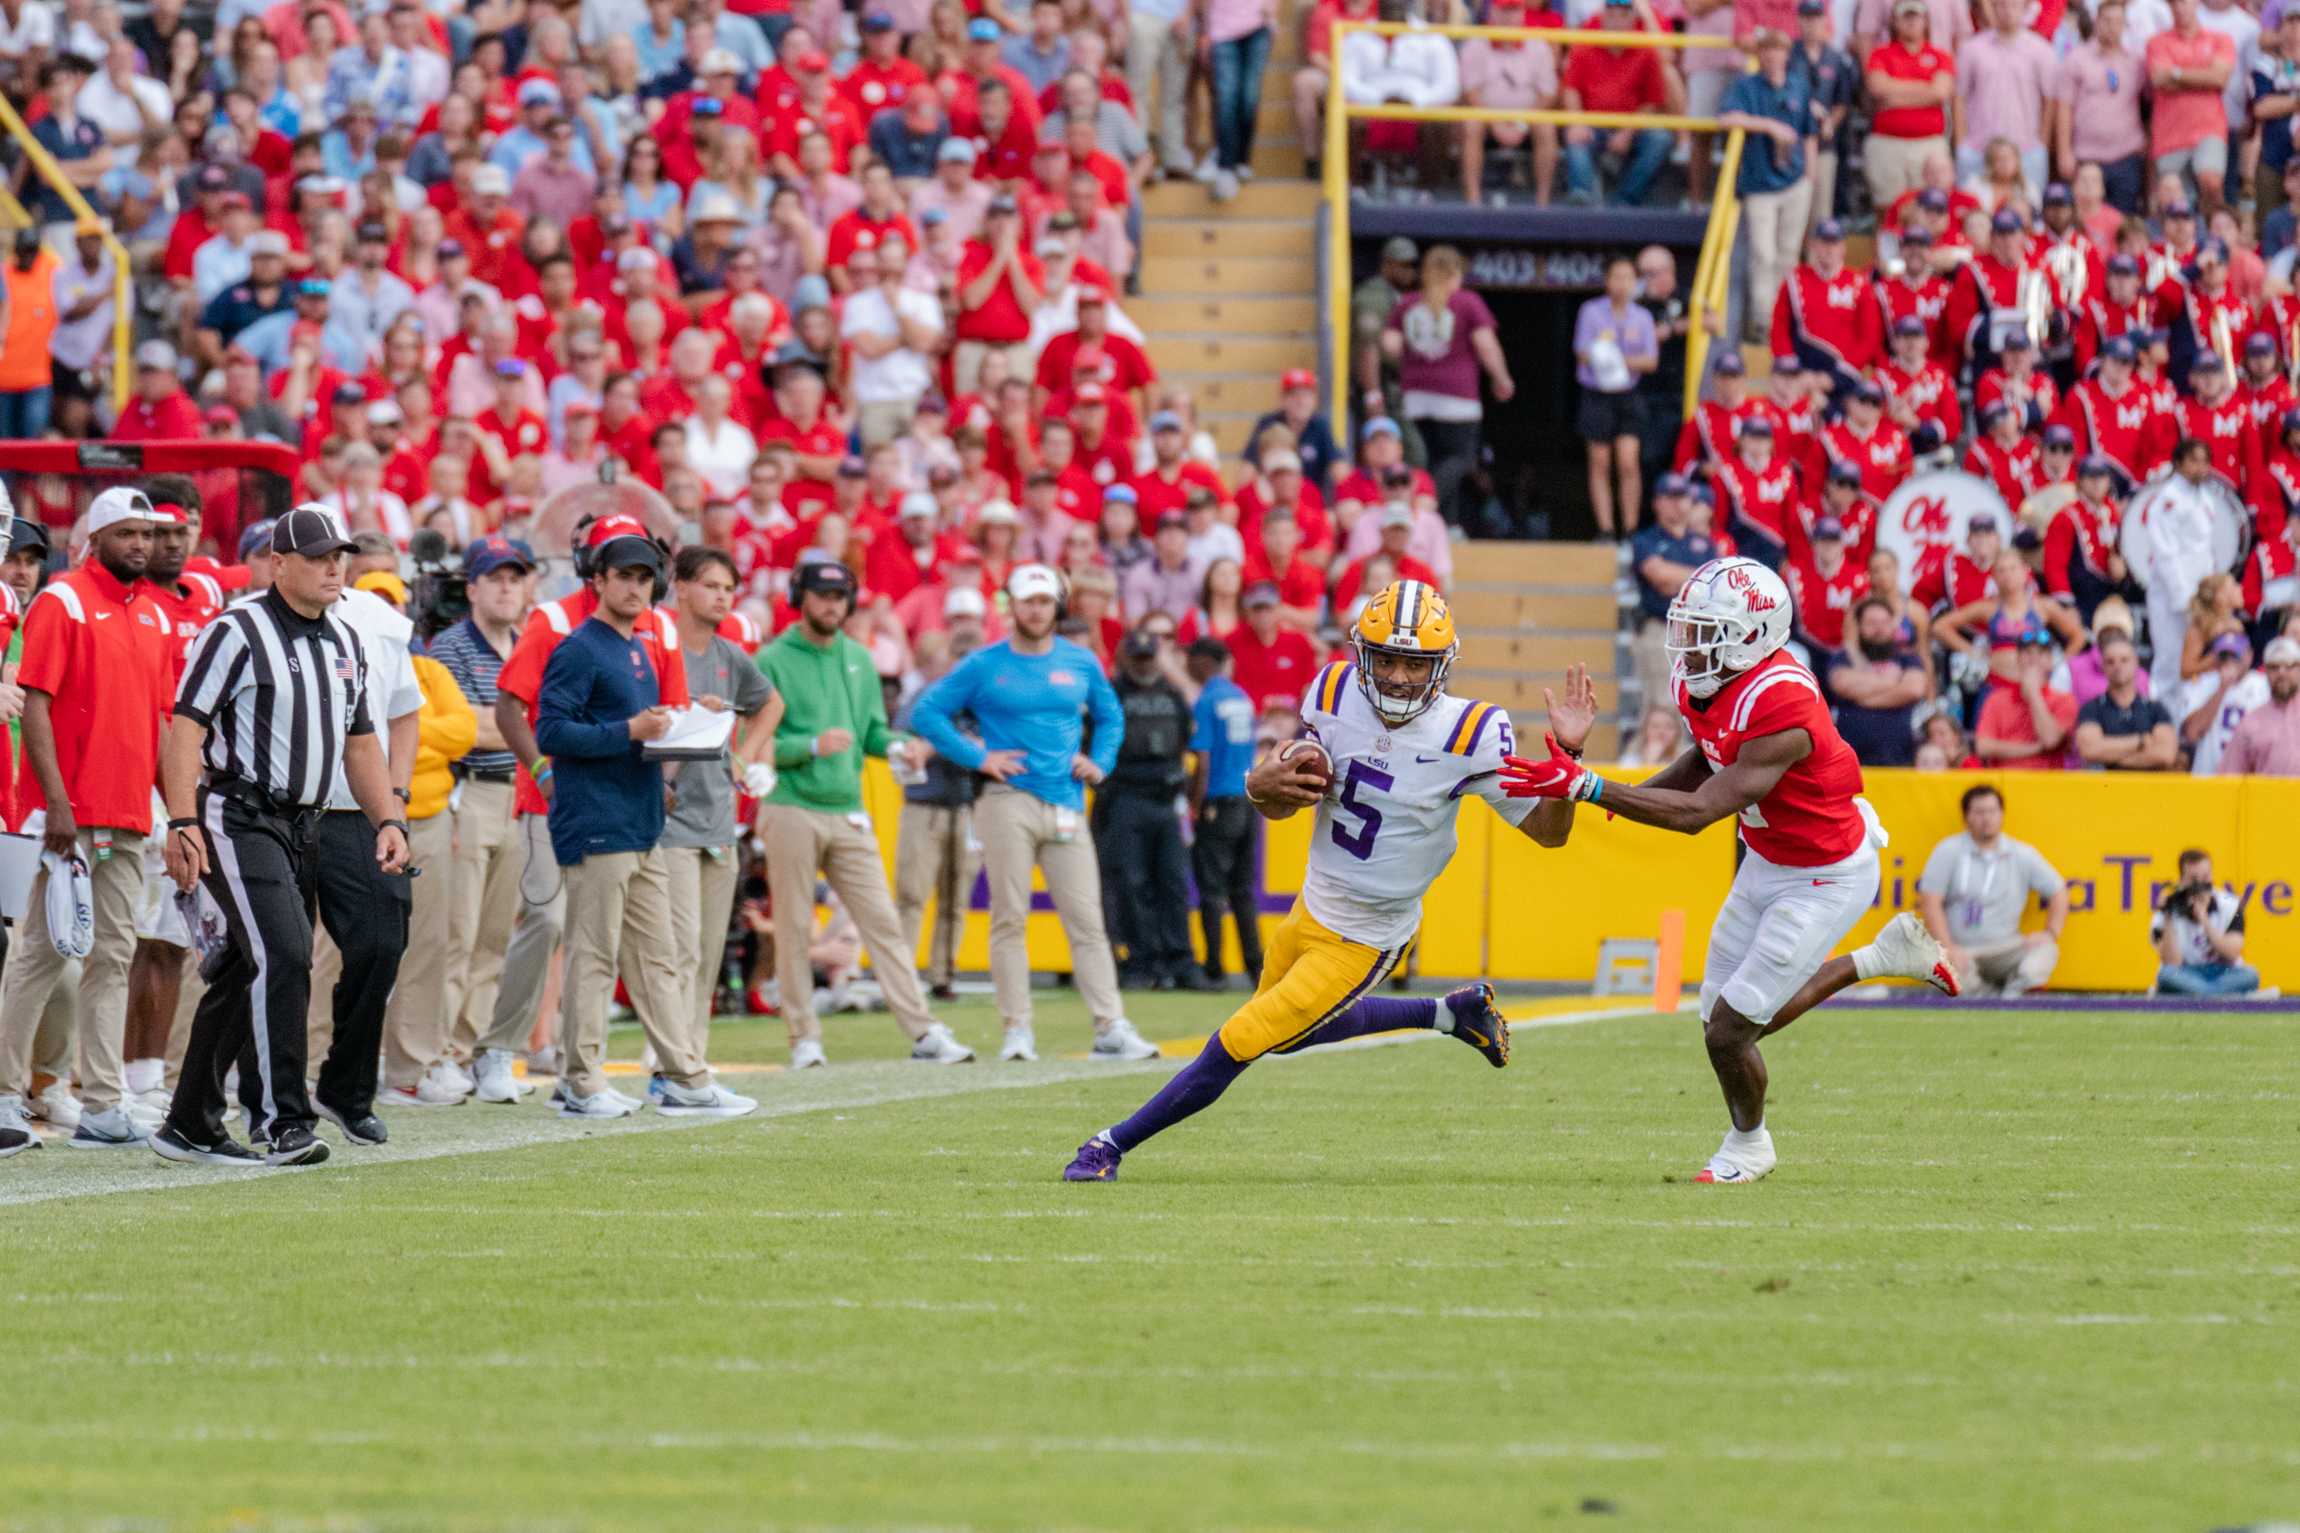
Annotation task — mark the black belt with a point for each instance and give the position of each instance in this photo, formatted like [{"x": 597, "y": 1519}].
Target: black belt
[
  {"x": 474, "y": 774},
  {"x": 260, "y": 799}
]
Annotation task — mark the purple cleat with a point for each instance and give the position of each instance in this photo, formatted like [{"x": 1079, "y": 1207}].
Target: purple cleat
[
  {"x": 1097, "y": 1162},
  {"x": 1479, "y": 1023}
]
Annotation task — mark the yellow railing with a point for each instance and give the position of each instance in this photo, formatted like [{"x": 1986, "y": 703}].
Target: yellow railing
[
  {"x": 45, "y": 166},
  {"x": 1340, "y": 112},
  {"x": 1714, "y": 272}
]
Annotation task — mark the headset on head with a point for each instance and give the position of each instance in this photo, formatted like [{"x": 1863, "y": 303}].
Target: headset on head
[{"x": 582, "y": 554}]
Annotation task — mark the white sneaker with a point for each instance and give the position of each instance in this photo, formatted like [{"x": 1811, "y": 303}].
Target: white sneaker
[
  {"x": 428, "y": 1092},
  {"x": 1121, "y": 1042},
  {"x": 16, "y": 1134},
  {"x": 144, "y": 1075},
  {"x": 938, "y": 1047},
  {"x": 57, "y": 1107},
  {"x": 493, "y": 1080},
  {"x": 1903, "y": 949},
  {"x": 600, "y": 1104},
  {"x": 1205, "y": 171},
  {"x": 1741, "y": 1158},
  {"x": 807, "y": 1054},
  {"x": 1020, "y": 1044},
  {"x": 712, "y": 1101},
  {"x": 454, "y": 1075},
  {"x": 111, "y": 1129},
  {"x": 143, "y": 1113},
  {"x": 1244, "y": 173},
  {"x": 1225, "y": 185}
]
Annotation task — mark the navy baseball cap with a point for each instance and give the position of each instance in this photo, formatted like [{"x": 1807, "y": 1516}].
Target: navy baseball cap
[
  {"x": 2058, "y": 194},
  {"x": 2205, "y": 361},
  {"x": 1828, "y": 526},
  {"x": 1841, "y": 472},
  {"x": 2093, "y": 466},
  {"x": 1729, "y": 364},
  {"x": 1787, "y": 365},
  {"x": 2260, "y": 345},
  {"x": 1909, "y": 324},
  {"x": 2006, "y": 221},
  {"x": 1672, "y": 484},
  {"x": 2292, "y": 419},
  {"x": 2123, "y": 266},
  {"x": 1933, "y": 200},
  {"x": 2059, "y": 436},
  {"x": 1757, "y": 425},
  {"x": 1916, "y": 234},
  {"x": 495, "y": 551},
  {"x": 2120, "y": 349},
  {"x": 1869, "y": 392},
  {"x": 2180, "y": 209},
  {"x": 1829, "y": 231},
  {"x": 1996, "y": 412},
  {"x": 2017, "y": 341}
]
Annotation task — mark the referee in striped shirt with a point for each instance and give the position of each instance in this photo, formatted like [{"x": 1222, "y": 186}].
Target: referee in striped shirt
[{"x": 274, "y": 695}]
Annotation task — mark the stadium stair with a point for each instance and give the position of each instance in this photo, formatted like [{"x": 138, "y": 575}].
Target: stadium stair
[
  {"x": 1526, "y": 611},
  {"x": 1229, "y": 290}
]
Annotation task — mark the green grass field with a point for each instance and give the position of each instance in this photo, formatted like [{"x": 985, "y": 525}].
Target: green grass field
[{"x": 2015, "y": 1272}]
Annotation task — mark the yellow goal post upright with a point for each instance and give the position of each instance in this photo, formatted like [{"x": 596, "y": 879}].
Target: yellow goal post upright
[
  {"x": 52, "y": 175},
  {"x": 1712, "y": 274}
]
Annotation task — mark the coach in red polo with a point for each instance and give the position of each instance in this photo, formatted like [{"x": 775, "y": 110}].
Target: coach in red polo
[{"x": 99, "y": 675}]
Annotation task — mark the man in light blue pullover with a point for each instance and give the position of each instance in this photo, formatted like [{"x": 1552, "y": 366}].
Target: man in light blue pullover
[{"x": 1029, "y": 697}]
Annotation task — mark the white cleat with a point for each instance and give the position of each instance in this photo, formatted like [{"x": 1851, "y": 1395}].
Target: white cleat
[
  {"x": 600, "y": 1104},
  {"x": 1741, "y": 1158},
  {"x": 1121, "y": 1042},
  {"x": 807, "y": 1054},
  {"x": 1903, "y": 949},
  {"x": 453, "y": 1076},
  {"x": 57, "y": 1107},
  {"x": 713, "y": 1101},
  {"x": 938, "y": 1047},
  {"x": 1019, "y": 1044}
]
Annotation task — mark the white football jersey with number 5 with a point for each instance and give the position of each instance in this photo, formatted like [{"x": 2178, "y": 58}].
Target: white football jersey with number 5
[{"x": 1385, "y": 831}]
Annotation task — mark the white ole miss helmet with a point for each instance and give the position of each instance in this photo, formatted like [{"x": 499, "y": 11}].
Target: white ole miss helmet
[{"x": 1730, "y": 616}]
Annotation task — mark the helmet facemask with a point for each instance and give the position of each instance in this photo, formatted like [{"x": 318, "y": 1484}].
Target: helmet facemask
[
  {"x": 1696, "y": 647},
  {"x": 1398, "y": 709}
]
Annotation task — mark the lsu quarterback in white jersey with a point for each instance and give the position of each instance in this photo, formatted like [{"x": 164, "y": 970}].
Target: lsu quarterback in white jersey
[{"x": 1403, "y": 757}]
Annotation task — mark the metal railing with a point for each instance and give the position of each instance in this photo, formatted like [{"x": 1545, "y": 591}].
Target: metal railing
[
  {"x": 123, "y": 316},
  {"x": 1724, "y": 211}
]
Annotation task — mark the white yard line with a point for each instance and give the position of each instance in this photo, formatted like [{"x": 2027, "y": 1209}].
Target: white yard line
[{"x": 38, "y": 1178}]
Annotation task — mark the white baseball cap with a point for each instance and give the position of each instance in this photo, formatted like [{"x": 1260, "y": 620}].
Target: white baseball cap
[
  {"x": 121, "y": 504},
  {"x": 1031, "y": 580},
  {"x": 490, "y": 181},
  {"x": 2281, "y": 651},
  {"x": 964, "y": 601}
]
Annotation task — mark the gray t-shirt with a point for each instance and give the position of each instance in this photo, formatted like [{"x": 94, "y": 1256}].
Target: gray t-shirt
[
  {"x": 1986, "y": 893},
  {"x": 705, "y": 812}
]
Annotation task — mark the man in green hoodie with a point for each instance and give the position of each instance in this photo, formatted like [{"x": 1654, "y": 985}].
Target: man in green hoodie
[{"x": 814, "y": 821}]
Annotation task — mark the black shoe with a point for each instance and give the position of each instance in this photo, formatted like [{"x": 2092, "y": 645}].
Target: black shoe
[
  {"x": 1479, "y": 1023},
  {"x": 1194, "y": 980},
  {"x": 295, "y": 1145},
  {"x": 359, "y": 1128},
  {"x": 943, "y": 992},
  {"x": 172, "y": 1143},
  {"x": 15, "y": 1141}
]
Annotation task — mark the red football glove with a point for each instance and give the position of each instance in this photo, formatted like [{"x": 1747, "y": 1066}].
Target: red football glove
[{"x": 1560, "y": 776}]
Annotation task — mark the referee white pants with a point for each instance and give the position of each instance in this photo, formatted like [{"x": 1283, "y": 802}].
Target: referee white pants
[
  {"x": 116, "y": 882},
  {"x": 1777, "y": 926}
]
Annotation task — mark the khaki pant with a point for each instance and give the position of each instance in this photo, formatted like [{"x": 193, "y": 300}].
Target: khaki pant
[
  {"x": 702, "y": 898},
  {"x": 489, "y": 855},
  {"x": 800, "y": 844},
  {"x": 1897, "y": 165},
  {"x": 935, "y": 857},
  {"x": 1774, "y": 224},
  {"x": 2012, "y": 967},
  {"x": 1823, "y": 203},
  {"x": 116, "y": 886},
  {"x": 966, "y": 362},
  {"x": 883, "y": 420},
  {"x": 415, "y": 1024},
  {"x": 542, "y": 912},
  {"x": 180, "y": 1026},
  {"x": 1018, "y": 833},
  {"x": 620, "y": 903},
  {"x": 1153, "y": 48}
]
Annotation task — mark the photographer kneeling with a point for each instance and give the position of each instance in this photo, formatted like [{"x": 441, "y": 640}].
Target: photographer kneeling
[{"x": 2199, "y": 935}]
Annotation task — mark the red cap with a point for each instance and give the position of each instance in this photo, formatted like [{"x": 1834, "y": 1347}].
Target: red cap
[
  {"x": 1297, "y": 378},
  {"x": 219, "y": 415},
  {"x": 811, "y": 63},
  {"x": 1093, "y": 291},
  {"x": 577, "y": 407},
  {"x": 614, "y": 527},
  {"x": 1092, "y": 394}
]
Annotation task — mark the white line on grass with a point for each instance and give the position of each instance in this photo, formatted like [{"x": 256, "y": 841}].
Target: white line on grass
[{"x": 521, "y": 1127}]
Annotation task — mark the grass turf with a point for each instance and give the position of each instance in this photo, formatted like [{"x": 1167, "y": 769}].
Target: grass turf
[{"x": 2015, "y": 1272}]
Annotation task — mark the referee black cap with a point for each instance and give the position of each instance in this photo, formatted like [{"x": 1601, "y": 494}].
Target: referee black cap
[{"x": 312, "y": 531}]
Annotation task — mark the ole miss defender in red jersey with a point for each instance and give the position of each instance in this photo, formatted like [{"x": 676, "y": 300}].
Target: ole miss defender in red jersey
[{"x": 1765, "y": 750}]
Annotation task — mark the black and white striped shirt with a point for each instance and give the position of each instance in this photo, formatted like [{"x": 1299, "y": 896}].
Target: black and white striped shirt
[{"x": 278, "y": 693}]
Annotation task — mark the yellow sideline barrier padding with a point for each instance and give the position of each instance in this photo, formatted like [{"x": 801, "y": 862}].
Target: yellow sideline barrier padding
[{"x": 1511, "y": 910}]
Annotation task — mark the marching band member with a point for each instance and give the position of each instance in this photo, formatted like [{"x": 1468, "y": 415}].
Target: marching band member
[
  {"x": 1824, "y": 314},
  {"x": 2081, "y": 562},
  {"x": 1757, "y": 491},
  {"x": 2017, "y": 381},
  {"x": 1919, "y": 391},
  {"x": 2120, "y": 309},
  {"x": 2217, "y": 416},
  {"x": 2004, "y": 455},
  {"x": 1868, "y": 441},
  {"x": 2112, "y": 416},
  {"x": 1913, "y": 290},
  {"x": 1985, "y": 298},
  {"x": 1707, "y": 439}
]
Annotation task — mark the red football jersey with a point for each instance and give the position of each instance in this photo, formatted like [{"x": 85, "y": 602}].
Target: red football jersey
[{"x": 1808, "y": 820}]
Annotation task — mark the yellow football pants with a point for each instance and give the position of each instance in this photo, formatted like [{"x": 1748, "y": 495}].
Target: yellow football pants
[{"x": 1309, "y": 977}]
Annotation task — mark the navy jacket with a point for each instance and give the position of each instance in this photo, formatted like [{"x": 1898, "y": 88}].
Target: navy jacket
[{"x": 605, "y": 796}]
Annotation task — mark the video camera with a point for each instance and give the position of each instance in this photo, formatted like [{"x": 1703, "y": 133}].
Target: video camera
[
  {"x": 2182, "y": 900},
  {"x": 439, "y": 595}
]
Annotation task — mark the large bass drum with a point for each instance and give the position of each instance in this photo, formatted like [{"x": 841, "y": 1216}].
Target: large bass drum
[
  {"x": 2230, "y": 524},
  {"x": 1929, "y": 514}
]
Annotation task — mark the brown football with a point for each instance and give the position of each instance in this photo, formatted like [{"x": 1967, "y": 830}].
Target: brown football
[{"x": 1309, "y": 757}]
